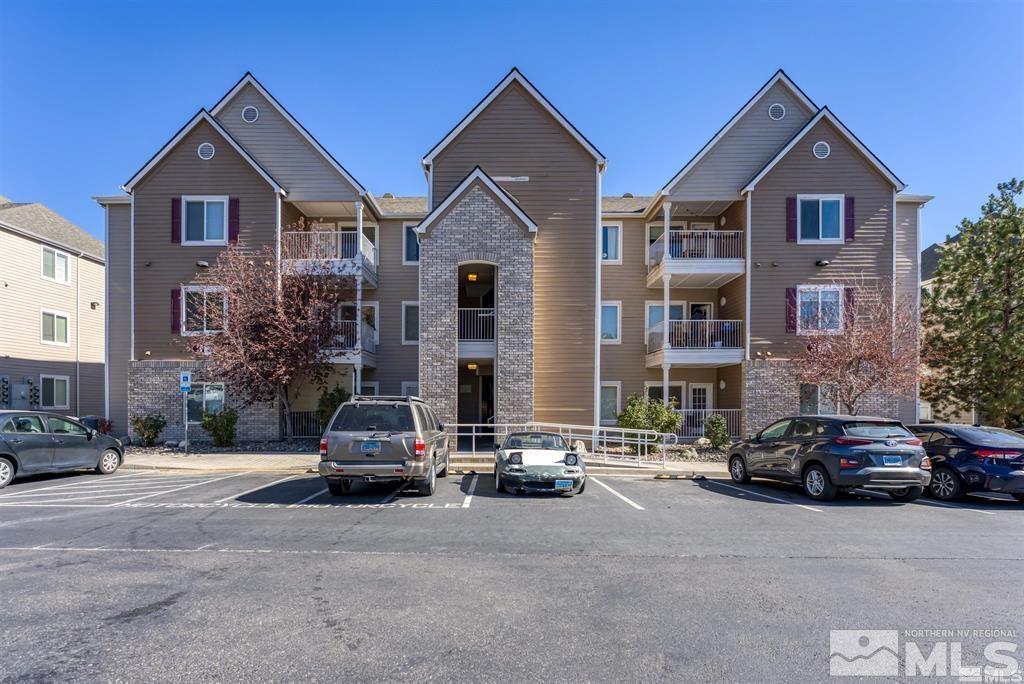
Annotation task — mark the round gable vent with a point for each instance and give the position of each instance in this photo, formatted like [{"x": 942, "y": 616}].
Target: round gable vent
[
  {"x": 776, "y": 112},
  {"x": 821, "y": 149},
  {"x": 250, "y": 114},
  {"x": 206, "y": 151}
]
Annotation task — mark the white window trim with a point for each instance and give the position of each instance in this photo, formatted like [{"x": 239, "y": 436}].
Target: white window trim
[
  {"x": 185, "y": 289},
  {"x": 405, "y": 237},
  {"x": 702, "y": 225},
  {"x": 374, "y": 384},
  {"x": 224, "y": 391},
  {"x": 617, "y": 384},
  {"x": 681, "y": 384},
  {"x": 375, "y": 305},
  {"x": 67, "y": 392},
  {"x": 673, "y": 225},
  {"x": 800, "y": 289},
  {"x": 711, "y": 307},
  {"x": 618, "y": 321},
  {"x": 56, "y": 253},
  {"x": 405, "y": 305},
  {"x": 610, "y": 224},
  {"x": 407, "y": 383},
  {"x": 206, "y": 199},
  {"x": 54, "y": 312},
  {"x": 820, "y": 240},
  {"x": 709, "y": 386},
  {"x": 651, "y": 302},
  {"x": 350, "y": 226}
]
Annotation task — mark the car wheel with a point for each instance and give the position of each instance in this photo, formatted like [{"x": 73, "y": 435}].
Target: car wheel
[
  {"x": 945, "y": 485},
  {"x": 339, "y": 487},
  {"x": 818, "y": 485},
  {"x": 738, "y": 470},
  {"x": 906, "y": 494},
  {"x": 427, "y": 485},
  {"x": 444, "y": 470},
  {"x": 583, "y": 486},
  {"x": 109, "y": 462},
  {"x": 6, "y": 472}
]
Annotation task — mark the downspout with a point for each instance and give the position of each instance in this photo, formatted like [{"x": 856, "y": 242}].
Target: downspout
[
  {"x": 78, "y": 335},
  {"x": 597, "y": 300}
]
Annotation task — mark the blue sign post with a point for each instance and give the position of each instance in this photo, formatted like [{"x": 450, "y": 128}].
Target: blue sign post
[{"x": 185, "y": 386}]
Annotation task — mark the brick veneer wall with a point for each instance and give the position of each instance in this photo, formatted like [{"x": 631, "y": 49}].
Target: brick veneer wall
[
  {"x": 153, "y": 388},
  {"x": 477, "y": 229}
]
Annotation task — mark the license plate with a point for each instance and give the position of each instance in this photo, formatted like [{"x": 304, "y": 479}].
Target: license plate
[
  {"x": 563, "y": 484},
  {"x": 892, "y": 460},
  {"x": 370, "y": 447}
]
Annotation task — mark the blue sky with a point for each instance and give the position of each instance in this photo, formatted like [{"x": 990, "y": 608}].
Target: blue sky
[{"x": 88, "y": 91}]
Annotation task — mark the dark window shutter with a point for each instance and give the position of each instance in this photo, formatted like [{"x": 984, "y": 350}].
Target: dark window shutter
[
  {"x": 233, "y": 219},
  {"x": 848, "y": 310},
  {"x": 176, "y": 311},
  {"x": 851, "y": 224},
  {"x": 791, "y": 219},
  {"x": 791, "y": 309},
  {"x": 176, "y": 220}
]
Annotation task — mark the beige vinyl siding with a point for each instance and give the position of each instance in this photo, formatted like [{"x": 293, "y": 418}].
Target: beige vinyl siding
[
  {"x": 161, "y": 265},
  {"x": 745, "y": 149},
  {"x": 868, "y": 259},
  {"x": 283, "y": 151},
  {"x": 515, "y": 136},
  {"x": 118, "y": 240},
  {"x": 908, "y": 255}
]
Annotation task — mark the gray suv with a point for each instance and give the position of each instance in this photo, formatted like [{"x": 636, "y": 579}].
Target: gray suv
[{"x": 377, "y": 439}]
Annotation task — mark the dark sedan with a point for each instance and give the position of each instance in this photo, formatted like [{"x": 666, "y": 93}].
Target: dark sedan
[
  {"x": 33, "y": 442},
  {"x": 827, "y": 454},
  {"x": 973, "y": 458}
]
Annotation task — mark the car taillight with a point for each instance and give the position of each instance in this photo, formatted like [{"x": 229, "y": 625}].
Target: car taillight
[
  {"x": 421, "y": 449},
  {"x": 851, "y": 441},
  {"x": 323, "y": 446},
  {"x": 998, "y": 453},
  {"x": 849, "y": 463},
  {"x": 926, "y": 463},
  {"x": 913, "y": 442}
]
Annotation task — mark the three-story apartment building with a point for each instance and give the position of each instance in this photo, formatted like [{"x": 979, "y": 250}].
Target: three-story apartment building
[{"x": 514, "y": 291}]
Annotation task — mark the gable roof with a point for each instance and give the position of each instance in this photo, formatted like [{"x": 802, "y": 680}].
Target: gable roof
[
  {"x": 249, "y": 79},
  {"x": 930, "y": 258},
  {"x": 779, "y": 76},
  {"x": 201, "y": 115},
  {"x": 827, "y": 115},
  {"x": 513, "y": 76},
  {"x": 477, "y": 174},
  {"x": 38, "y": 221}
]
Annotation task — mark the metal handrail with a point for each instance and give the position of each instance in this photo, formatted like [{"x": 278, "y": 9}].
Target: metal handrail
[
  {"x": 692, "y": 421},
  {"x": 697, "y": 244},
  {"x": 476, "y": 325},
  {"x": 696, "y": 334}
]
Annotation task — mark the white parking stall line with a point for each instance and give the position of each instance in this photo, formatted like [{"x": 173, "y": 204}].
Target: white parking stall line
[
  {"x": 308, "y": 498},
  {"x": 632, "y": 503},
  {"x": 949, "y": 505},
  {"x": 764, "y": 496},
  {"x": 178, "y": 489},
  {"x": 469, "y": 492},
  {"x": 255, "y": 489},
  {"x": 62, "y": 486},
  {"x": 105, "y": 491}
]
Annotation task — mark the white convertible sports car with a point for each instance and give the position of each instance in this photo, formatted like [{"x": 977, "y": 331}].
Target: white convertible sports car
[{"x": 538, "y": 462}]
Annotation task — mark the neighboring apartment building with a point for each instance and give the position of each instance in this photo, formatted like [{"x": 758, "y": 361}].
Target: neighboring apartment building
[
  {"x": 514, "y": 291},
  {"x": 51, "y": 312}
]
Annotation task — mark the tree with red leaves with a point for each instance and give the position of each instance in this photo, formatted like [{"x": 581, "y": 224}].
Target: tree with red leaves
[
  {"x": 275, "y": 329},
  {"x": 875, "y": 351}
]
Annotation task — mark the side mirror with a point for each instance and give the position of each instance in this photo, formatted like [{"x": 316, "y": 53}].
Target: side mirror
[
  {"x": 497, "y": 446},
  {"x": 89, "y": 433},
  {"x": 753, "y": 438}
]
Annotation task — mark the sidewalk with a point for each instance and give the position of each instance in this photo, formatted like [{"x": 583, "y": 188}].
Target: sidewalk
[{"x": 307, "y": 463}]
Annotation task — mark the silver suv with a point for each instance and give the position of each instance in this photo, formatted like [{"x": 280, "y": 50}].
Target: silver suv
[{"x": 375, "y": 439}]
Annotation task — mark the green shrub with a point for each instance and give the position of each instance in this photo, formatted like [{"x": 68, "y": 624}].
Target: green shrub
[
  {"x": 648, "y": 414},
  {"x": 221, "y": 426},
  {"x": 329, "y": 402},
  {"x": 148, "y": 428},
  {"x": 717, "y": 431}
]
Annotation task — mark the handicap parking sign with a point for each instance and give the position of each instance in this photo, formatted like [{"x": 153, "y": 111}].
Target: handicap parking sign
[{"x": 186, "y": 381}]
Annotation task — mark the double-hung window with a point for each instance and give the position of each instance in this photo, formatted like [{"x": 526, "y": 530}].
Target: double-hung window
[
  {"x": 611, "y": 322},
  {"x": 204, "y": 220},
  {"x": 611, "y": 243},
  {"x": 204, "y": 398},
  {"x": 410, "y": 245},
  {"x": 820, "y": 218},
  {"x": 610, "y": 402},
  {"x": 55, "y": 266},
  {"x": 204, "y": 309},
  {"x": 820, "y": 309},
  {"x": 410, "y": 322},
  {"x": 54, "y": 327}
]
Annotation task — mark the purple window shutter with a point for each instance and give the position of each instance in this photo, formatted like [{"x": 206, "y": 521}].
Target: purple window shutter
[
  {"x": 851, "y": 225},
  {"x": 176, "y": 220},
  {"x": 791, "y": 309},
  {"x": 176, "y": 311},
  {"x": 233, "y": 219},
  {"x": 848, "y": 309},
  {"x": 791, "y": 219}
]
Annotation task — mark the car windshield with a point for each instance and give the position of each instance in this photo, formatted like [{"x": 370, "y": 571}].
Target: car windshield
[
  {"x": 535, "y": 440},
  {"x": 876, "y": 430},
  {"x": 374, "y": 418},
  {"x": 991, "y": 436}
]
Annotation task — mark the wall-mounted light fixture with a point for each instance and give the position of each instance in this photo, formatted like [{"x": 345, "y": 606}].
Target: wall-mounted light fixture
[
  {"x": 721, "y": 222},
  {"x": 203, "y": 264},
  {"x": 94, "y": 305},
  {"x": 722, "y": 301},
  {"x": 471, "y": 366},
  {"x": 721, "y": 384},
  {"x": 822, "y": 262}
]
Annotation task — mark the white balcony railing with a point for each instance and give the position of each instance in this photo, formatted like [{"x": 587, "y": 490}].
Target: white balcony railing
[
  {"x": 329, "y": 245},
  {"x": 696, "y": 334},
  {"x": 345, "y": 337},
  {"x": 693, "y": 420},
  {"x": 476, "y": 325},
  {"x": 696, "y": 244}
]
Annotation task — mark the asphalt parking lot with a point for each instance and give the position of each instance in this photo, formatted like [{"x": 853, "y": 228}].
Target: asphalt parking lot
[{"x": 243, "y": 576}]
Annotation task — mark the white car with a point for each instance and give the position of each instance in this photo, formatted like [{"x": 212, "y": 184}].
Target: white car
[{"x": 538, "y": 462}]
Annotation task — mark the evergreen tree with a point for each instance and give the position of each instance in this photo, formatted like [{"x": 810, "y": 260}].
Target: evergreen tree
[{"x": 973, "y": 316}]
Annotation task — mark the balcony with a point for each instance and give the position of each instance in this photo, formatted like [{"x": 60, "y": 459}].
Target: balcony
[
  {"x": 348, "y": 347},
  {"x": 477, "y": 333},
  {"x": 340, "y": 252},
  {"x": 695, "y": 343},
  {"x": 696, "y": 258}
]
